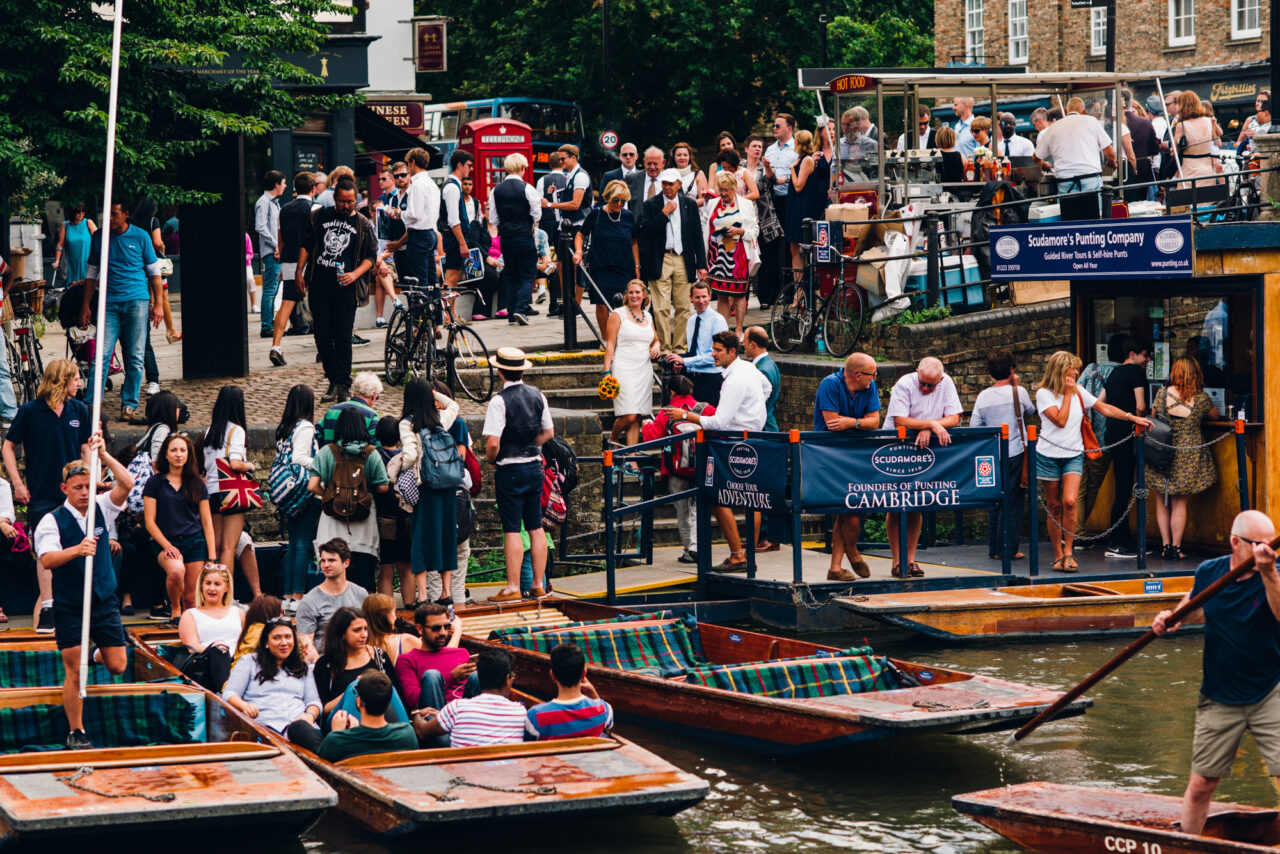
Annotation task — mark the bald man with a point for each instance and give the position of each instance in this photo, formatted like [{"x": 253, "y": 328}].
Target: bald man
[
  {"x": 924, "y": 400},
  {"x": 1240, "y": 689},
  {"x": 848, "y": 400}
]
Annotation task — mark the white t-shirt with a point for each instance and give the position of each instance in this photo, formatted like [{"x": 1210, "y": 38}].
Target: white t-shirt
[
  {"x": 1073, "y": 144},
  {"x": 908, "y": 401},
  {"x": 1061, "y": 443},
  {"x": 231, "y": 447},
  {"x": 994, "y": 407}
]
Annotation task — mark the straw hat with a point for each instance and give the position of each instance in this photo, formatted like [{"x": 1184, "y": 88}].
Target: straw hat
[{"x": 512, "y": 359}]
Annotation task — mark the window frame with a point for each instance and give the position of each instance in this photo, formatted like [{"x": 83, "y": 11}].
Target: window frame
[
  {"x": 1097, "y": 47},
  {"x": 1189, "y": 16},
  {"x": 1241, "y": 6},
  {"x": 1025, "y": 38},
  {"x": 975, "y": 49}
]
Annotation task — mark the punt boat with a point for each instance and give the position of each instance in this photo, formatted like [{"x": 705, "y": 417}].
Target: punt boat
[
  {"x": 169, "y": 756},
  {"x": 1039, "y": 612},
  {"x": 1053, "y": 818},
  {"x": 396, "y": 794},
  {"x": 772, "y": 694}
]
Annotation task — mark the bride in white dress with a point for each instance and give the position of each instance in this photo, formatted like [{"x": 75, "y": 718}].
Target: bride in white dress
[{"x": 630, "y": 346}]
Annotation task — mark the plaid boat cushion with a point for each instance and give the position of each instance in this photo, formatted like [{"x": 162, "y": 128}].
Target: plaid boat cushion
[
  {"x": 127, "y": 720},
  {"x": 664, "y": 645},
  {"x": 42, "y": 668},
  {"x": 849, "y": 671}
]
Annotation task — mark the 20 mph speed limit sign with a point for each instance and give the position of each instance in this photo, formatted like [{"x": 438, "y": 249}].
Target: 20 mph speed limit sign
[{"x": 609, "y": 140}]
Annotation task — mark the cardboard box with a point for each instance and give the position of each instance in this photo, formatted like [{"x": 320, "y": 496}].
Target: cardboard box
[
  {"x": 1025, "y": 293},
  {"x": 840, "y": 216},
  {"x": 871, "y": 271}
]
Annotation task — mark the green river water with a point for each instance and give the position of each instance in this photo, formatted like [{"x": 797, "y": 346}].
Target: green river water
[{"x": 894, "y": 795}]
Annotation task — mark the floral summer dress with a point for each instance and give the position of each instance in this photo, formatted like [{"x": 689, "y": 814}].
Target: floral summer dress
[{"x": 1192, "y": 471}]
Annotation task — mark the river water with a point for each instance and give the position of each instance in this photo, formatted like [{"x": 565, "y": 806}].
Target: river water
[{"x": 894, "y": 796}]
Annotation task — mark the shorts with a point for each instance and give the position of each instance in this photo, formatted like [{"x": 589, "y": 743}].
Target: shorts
[
  {"x": 1219, "y": 728},
  {"x": 518, "y": 488},
  {"x": 215, "y": 505},
  {"x": 1053, "y": 468},
  {"x": 193, "y": 547},
  {"x": 394, "y": 540},
  {"x": 289, "y": 291},
  {"x": 105, "y": 628},
  {"x": 452, "y": 252}
]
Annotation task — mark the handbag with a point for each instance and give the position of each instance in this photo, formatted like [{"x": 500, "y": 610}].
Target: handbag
[
  {"x": 753, "y": 256},
  {"x": 1022, "y": 432},
  {"x": 237, "y": 490},
  {"x": 1091, "y": 449},
  {"x": 1157, "y": 441}
]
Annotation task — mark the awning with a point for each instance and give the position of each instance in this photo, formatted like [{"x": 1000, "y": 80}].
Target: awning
[{"x": 378, "y": 135}]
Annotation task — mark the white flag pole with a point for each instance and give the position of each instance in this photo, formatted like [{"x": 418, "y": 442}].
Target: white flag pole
[{"x": 103, "y": 272}]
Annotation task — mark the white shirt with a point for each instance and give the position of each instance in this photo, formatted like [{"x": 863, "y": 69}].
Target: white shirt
[
  {"x": 994, "y": 407},
  {"x": 781, "y": 156},
  {"x": 742, "y": 399},
  {"x": 422, "y": 204},
  {"x": 702, "y": 361},
  {"x": 495, "y": 421},
  {"x": 535, "y": 201},
  {"x": 1019, "y": 146},
  {"x": 541, "y": 187},
  {"x": 921, "y": 142},
  {"x": 231, "y": 447},
  {"x": 908, "y": 401},
  {"x": 674, "y": 243},
  {"x": 1061, "y": 443},
  {"x": 1073, "y": 143},
  {"x": 578, "y": 180},
  {"x": 47, "y": 538},
  {"x": 6, "y": 502},
  {"x": 764, "y": 381}
]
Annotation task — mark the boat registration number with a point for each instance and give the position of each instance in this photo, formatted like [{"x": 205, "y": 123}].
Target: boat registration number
[{"x": 1130, "y": 846}]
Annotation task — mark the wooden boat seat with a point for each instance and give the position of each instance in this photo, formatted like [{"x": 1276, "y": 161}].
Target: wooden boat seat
[{"x": 1085, "y": 589}]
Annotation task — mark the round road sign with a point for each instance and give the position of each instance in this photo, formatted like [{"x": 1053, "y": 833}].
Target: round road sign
[{"x": 609, "y": 140}]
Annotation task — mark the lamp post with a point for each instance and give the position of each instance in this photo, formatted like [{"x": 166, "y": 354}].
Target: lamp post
[{"x": 607, "y": 75}]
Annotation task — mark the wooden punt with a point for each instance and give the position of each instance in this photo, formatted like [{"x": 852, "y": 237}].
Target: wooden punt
[
  {"x": 1038, "y": 612},
  {"x": 939, "y": 700},
  {"x": 1062, "y": 819},
  {"x": 396, "y": 794}
]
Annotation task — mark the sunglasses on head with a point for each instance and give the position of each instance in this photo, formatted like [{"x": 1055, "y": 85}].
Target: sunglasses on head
[
  {"x": 75, "y": 470},
  {"x": 280, "y": 621}
]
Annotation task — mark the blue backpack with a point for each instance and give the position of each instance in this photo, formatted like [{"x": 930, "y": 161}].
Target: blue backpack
[
  {"x": 441, "y": 464},
  {"x": 287, "y": 481}
]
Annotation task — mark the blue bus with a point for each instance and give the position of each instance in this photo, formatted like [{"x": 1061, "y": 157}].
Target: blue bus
[{"x": 554, "y": 123}]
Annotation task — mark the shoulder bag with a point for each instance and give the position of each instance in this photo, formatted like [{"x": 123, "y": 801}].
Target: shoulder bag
[
  {"x": 1156, "y": 442},
  {"x": 1091, "y": 449},
  {"x": 1022, "y": 432}
]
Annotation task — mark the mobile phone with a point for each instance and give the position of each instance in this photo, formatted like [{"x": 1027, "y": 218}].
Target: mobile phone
[{"x": 471, "y": 659}]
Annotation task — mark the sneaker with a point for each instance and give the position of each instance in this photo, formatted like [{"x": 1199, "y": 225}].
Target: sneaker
[
  {"x": 532, "y": 312},
  {"x": 126, "y": 610},
  {"x": 44, "y": 626},
  {"x": 357, "y": 341},
  {"x": 1122, "y": 552},
  {"x": 289, "y": 606},
  {"x": 277, "y": 357},
  {"x": 556, "y": 312},
  {"x": 540, "y": 295},
  {"x": 153, "y": 388},
  {"x": 159, "y": 613},
  {"x": 127, "y": 413},
  {"x": 265, "y": 333},
  {"x": 478, "y": 317},
  {"x": 78, "y": 740},
  {"x": 687, "y": 557},
  {"x": 518, "y": 319},
  {"x": 380, "y": 323},
  {"x": 502, "y": 313}
]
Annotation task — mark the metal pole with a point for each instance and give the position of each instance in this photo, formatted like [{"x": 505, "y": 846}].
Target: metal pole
[
  {"x": 611, "y": 586},
  {"x": 1140, "y": 489},
  {"x": 1033, "y": 496},
  {"x": 1275, "y": 46},
  {"x": 568, "y": 294},
  {"x": 1006, "y": 505},
  {"x": 932, "y": 263},
  {"x": 822, "y": 25},
  {"x": 646, "y": 517},
  {"x": 1111, "y": 37},
  {"x": 702, "y": 524},
  {"x": 607, "y": 51},
  {"x": 1242, "y": 481},
  {"x": 797, "y": 510}
]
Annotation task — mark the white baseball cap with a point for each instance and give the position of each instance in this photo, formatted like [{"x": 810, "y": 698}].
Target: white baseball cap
[{"x": 669, "y": 176}]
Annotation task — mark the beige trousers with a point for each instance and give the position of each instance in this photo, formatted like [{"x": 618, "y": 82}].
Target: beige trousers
[{"x": 669, "y": 292}]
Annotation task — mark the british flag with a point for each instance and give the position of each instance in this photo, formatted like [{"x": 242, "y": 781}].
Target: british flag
[{"x": 239, "y": 491}]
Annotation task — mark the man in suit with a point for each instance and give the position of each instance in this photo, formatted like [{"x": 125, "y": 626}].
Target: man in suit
[
  {"x": 671, "y": 257},
  {"x": 925, "y": 136},
  {"x": 627, "y": 154},
  {"x": 644, "y": 183}
]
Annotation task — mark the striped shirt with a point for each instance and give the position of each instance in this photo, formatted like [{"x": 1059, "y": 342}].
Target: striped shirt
[
  {"x": 483, "y": 719},
  {"x": 583, "y": 718}
]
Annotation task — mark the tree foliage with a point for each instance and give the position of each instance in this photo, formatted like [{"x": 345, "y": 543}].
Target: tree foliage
[
  {"x": 679, "y": 69},
  {"x": 176, "y": 96}
]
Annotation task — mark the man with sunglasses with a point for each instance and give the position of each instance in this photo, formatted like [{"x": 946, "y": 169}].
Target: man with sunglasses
[
  {"x": 1240, "y": 688},
  {"x": 441, "y": 670},
  {"x": 924, "y": 400},
  {"x": 925, "y": 136}
]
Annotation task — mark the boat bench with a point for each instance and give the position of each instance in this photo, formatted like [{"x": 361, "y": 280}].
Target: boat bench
[
  {"x": 656, "y": 644},
  {"x": 110, "y": 720},
  {"x": 849, "y": 671},
  {"x": 42, "y": 668}
]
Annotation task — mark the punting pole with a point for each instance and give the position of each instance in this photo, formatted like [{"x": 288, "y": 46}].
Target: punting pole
[{"x": 95, "y": 465}]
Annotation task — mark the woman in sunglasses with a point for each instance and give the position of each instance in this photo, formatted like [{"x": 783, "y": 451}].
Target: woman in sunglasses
[{"x": 274, "y": 687}]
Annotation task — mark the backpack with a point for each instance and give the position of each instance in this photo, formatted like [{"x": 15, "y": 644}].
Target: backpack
[
  {"x": 346, "y": 495},
  {"x": 140, "y": 468},
  {"x": 554, "y": 508},
  {"x": 441, "y": 463},
  {"x": 287, "y": 482},
  {"x": 1093, "y": 379},
  {"x": 559, "y": 453},
  {"x": 680, "y": 458}
]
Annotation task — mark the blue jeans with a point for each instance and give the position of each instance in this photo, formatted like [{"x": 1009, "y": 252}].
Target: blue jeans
[
  {"x": 8, "y": 400},
  {"x": 126, "y": 323},
  {"x": 432, "y": 697},
  {"x": 270, "y": 284},
  {"x": 420, "y": 250},
  {"x": 299, "y": 553}
]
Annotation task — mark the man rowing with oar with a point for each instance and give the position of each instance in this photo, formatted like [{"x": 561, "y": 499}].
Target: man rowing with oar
[
  {"x": 63, "y": 546},
  {"x": 1241, "y": 686}
]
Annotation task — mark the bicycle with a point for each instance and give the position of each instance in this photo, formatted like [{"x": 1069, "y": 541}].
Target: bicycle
[
  {"x": 411, "y": 349},
  {"x": 839, "y": 303},
  {"x": 25, "y": 365}
]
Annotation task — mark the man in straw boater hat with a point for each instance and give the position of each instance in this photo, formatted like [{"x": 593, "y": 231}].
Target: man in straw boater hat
[
  {"x": 1240, "y": 689},
  {"x": 68, "y": 550},
  {"x": 516, "y": 425}
]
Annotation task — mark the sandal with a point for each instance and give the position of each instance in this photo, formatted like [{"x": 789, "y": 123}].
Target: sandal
[
  {"x": 1057, "y": 564},
  {"x": 1069, "y": 564}
]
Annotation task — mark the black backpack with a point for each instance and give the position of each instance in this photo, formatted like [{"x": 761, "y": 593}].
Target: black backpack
[{"x": 559, "y": 453}]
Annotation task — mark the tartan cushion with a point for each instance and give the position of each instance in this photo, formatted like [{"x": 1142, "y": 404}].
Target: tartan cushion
[
  {"x": 42, "y": 668},
  {"x": 126, "y": 720},
  {"x": 670, "y": 645},
  {"x": 849, "y": 671}
]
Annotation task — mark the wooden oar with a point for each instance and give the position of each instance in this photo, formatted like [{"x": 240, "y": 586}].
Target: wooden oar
[{"x": 1134, "y": 648}]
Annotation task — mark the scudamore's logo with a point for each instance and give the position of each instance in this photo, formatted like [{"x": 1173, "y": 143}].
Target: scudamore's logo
[
  {"x": 743, "y": 460},
  {"x": 1007, "y": 247},
  {"x": 903, "y": 460}
]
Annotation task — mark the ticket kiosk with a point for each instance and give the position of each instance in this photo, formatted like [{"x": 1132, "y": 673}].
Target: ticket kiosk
[{"x": 490, "y": 141}]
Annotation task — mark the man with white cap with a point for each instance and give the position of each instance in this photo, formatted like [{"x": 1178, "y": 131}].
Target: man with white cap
[
  {"x": 516, "y": 425},
  {"x": 672, "y": 255}
]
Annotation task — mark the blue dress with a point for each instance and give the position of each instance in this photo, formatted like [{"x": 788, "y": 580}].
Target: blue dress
[
  {"x": 75, "y": 249},
  {"x": 610, "y": 261},
  {"x": 810, "y": 202}
]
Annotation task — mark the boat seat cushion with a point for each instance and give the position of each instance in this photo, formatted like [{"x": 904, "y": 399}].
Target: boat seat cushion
[
  {"x": 849, "y": 671},
  {"x": 120, "y": 720},
  {"x": 658, "y": 644},
  {"x": 42, "y": 668}
]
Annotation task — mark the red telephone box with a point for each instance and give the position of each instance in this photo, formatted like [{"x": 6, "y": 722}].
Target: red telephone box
[{"x": 490, "y": 141}]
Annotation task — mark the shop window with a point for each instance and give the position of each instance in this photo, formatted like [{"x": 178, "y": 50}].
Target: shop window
[
  {"x": 1246, "y": 19},
  {"x": 1182, "y": 22}
]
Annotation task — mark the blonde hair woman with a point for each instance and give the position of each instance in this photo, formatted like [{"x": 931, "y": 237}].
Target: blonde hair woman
[
  {"x": 1060, "y": 451},
  {"x": 731, "y": 228},
  {"x": 810, "y": 184},
  {"x": 630, "y": 345},
  {"x": 211, "y": 629},
  {"x": 1185, "y": 406},
  {"x": 614, "y": 259}
]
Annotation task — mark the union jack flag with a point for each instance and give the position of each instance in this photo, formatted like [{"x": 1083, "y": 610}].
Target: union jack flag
[{"x": 239, "y": 490}]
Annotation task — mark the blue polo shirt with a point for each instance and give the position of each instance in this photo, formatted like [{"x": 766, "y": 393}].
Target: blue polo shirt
[
  {"x": 129, "y": 257},
  {"x": 1241, "y": 638},
  {"x": 49, "y": 441},
  {"x": 834, "y": 396}
]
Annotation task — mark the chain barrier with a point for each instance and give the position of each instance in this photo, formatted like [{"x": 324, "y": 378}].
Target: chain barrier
[
  {"x": 1198, "y": 447},
  {"x": 1042, "y": 439},
  {"x": 802, "y": 596},
  {"x": 73, "y": 780},
  {"x": 1089, "y": 538},
  {"x": 460, "y": 782}
]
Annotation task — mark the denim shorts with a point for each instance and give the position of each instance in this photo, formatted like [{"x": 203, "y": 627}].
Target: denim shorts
[{"x": 1053, "y": 468}]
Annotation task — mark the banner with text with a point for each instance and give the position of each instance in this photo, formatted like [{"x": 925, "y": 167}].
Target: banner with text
[
  {"x": 747, "y": 473},
  {"x": 1138, "y": 248},
  {"x": 840, "y": 476}
]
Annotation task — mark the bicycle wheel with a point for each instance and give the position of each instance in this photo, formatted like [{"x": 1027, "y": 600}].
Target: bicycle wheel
[
  {"x": 842, "y": 320},
  {"x": 15, "y": 373},
  {"x": 791, "y": 320},
  {"x": 469, "y": 366},
  {"x": 395, "y": 354}
]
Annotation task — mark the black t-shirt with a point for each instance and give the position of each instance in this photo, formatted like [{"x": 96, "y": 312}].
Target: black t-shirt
[
  {"x": 294, "y": 219},
  {"x": 334, "y": 241},
  {"x": 1120, "y": 386},
  {"x": 49, "y": 441},
  {"x": 175, "y": 515}
]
